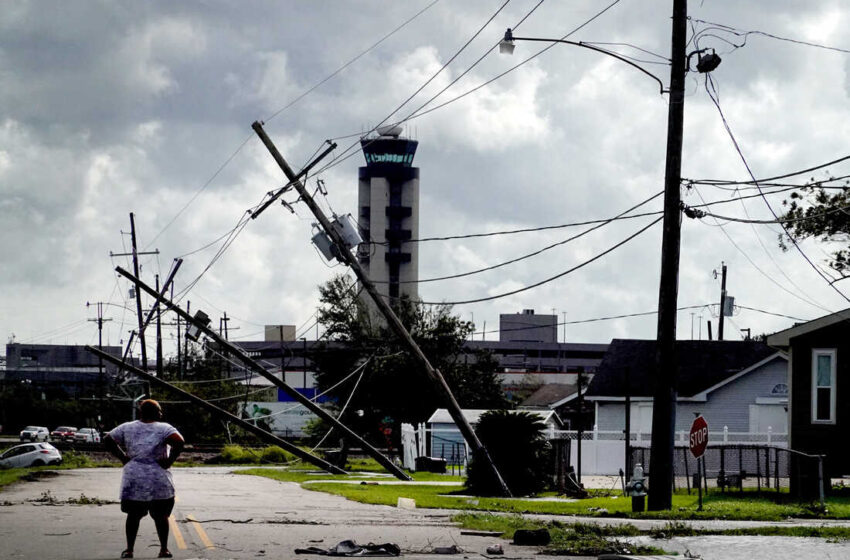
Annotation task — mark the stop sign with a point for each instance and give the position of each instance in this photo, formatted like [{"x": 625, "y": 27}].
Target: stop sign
[{"x": 698, "y": 437}]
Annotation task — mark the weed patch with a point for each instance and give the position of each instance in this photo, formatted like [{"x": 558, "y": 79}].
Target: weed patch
[{"x": 578, "y": 539}]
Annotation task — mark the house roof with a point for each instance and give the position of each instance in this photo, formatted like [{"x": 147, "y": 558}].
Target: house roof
[
  {"x": 549, "y": 394},
  {"x": 702, "y": 365},
  {"x": 442, "y": 416},
  {"x": 782, "y": 339}
]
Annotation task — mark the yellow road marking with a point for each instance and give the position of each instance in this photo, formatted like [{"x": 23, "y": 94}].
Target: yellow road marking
[
  {"x": 200, "y": 531},
  {"x": 178, "y": 536}
]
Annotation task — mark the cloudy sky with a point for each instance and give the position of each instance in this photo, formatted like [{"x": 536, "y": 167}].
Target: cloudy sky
[{"x": 109, "y": 108}]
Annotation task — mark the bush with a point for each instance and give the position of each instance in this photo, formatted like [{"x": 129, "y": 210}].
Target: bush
[
  {"x": 238, "y": 455},
  {"x": 235, "y": 454},
  {"x": 517, "y": 446},
  {"x": 275, "y": 454}
]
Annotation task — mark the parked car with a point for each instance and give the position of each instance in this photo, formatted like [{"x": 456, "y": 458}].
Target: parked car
[
  {"x": 63, "y": 433},
  {"x": 35, "y": 433},
  {"x": 87, "y": 435},
  {"x": 30, "y": 455}
]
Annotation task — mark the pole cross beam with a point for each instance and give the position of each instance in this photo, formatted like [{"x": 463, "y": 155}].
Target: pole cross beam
[
  {"x": 254, "y": 365},
  {"x": 221, "y": 413},
  {"x": 479, "y": 451}
]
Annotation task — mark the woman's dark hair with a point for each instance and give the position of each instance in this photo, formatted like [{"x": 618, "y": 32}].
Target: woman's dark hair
[{"x": 149, "y": 409}]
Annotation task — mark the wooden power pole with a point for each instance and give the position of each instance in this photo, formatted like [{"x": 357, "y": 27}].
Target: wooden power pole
[
  {"x": 664, "y": 399},
  {"x": 479, "y": 451}
]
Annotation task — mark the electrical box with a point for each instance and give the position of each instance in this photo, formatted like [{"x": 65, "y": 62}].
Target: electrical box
[
  {"x": 728, "y": 306},
  {"x": 323, "y": 243},
  {"x": 192, "y": 331},
  {"x": 347, "y": 229}
]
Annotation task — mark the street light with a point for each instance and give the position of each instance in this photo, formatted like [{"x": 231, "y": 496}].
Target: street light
[
  {"x": 506, "y": 46},
  {"x": 664, "y": 398}
]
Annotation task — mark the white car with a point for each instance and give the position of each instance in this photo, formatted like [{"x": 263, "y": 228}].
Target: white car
[
  {"x": 30, "y": 455},
  {"x": 87, "y": 435},
  {"x": 35, "y": 433}
]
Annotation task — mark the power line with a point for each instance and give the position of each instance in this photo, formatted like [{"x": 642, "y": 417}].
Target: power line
[
  {"x": 762, "y": 272},
  {"x": 546, "y": 281},
  {"x": 532, "y": 254},
  {"x": 352, "y": 61},
  {"x": 771, "y": 313},
  {"x": 746, "y": 34},
  {"x": 779, "y": 221},
  {"x": 757, "y": 182},
  {"x": 200, "y": 190},
  {"x": 342, "y": 157},
  {"x": 533, "y": 229},
  {"x": 712, "y": 92},
  {"x": 468, "y": 92}
]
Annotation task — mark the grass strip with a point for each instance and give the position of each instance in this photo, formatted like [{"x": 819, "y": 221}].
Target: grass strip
[{"x": 748, "y": 506}]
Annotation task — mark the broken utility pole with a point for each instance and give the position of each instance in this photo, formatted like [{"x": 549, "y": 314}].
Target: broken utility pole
[
  {"x": 479, "y": 451},
  {"x": 223, "y": 414},
  {"x": 135, "y": 254},
  {"x": 254, "y": 365}
]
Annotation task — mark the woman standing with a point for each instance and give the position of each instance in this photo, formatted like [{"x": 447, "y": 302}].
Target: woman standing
[{"x": 146, "y": 485}]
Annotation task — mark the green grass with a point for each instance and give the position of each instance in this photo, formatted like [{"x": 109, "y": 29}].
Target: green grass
[{"x": 749, "y": 506}]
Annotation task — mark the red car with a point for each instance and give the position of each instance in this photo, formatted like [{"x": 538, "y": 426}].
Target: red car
[{"x": 63, "y": 433}]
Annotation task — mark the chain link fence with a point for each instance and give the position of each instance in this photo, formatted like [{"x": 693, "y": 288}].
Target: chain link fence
[{"x": 730, "y": 467}]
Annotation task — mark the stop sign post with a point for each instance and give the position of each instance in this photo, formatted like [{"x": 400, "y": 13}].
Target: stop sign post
[{"x": 697, "y": 441}]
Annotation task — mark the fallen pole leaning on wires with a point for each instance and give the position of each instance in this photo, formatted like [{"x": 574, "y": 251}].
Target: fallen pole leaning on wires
[
  {"x": 221, "y": 413},
  {"x": 254, "y": 365}
]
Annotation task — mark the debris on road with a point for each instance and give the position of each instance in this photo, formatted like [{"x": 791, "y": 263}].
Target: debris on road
[
  {"x": 351, "y": 548},
  {"x": 532, "y": 537},
  {"x": 495, "y": 549}
]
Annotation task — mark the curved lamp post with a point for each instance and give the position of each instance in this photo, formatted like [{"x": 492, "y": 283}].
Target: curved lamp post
[
  {"x": 506, "y": 46},
  {"x": 664, "y": 398}
]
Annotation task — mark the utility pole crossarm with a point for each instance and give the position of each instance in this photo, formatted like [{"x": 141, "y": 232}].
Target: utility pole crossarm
[
  {"x": 480, "y": 452},
  {"x": 254, "y": 365}
]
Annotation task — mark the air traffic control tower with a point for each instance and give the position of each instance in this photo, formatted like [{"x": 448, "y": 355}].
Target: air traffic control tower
[{"x": 389, "y": 213}]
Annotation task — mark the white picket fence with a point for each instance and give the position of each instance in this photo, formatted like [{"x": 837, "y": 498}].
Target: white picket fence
[{"x": 602, "y": 451}]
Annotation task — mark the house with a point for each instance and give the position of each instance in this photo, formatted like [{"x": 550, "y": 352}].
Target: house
[
  {"x": 738, "y": 385},
  {"x": 819, "y": 373},
  {"x": 447, "y": 442}
]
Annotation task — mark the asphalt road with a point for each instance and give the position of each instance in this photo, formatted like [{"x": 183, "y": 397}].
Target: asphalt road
[
  {"x": 221, "y": 515},
  {"x": 217, "y": 515}
]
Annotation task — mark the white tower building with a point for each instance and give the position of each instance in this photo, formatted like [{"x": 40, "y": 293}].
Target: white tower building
[{"x": 389, "y": 213}]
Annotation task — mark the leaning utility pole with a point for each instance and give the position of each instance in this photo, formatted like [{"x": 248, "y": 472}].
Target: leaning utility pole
[
  {"x": 255, "y": 366},
  {"x": 479, "y": 451},
  {"x": 223, "y": 414},
  {"x": 138, "y": 295},
  {"x": 664, "y": 399},
  {"x": 158, "y": 336}
]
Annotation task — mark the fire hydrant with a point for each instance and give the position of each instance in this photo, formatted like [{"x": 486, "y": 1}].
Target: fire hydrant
[{"x": 636, "y": 488}]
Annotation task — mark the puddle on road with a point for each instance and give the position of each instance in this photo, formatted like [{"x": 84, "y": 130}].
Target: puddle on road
[{"x": 752, "y": 548}]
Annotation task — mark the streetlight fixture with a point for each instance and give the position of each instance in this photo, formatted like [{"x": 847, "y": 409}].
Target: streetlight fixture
[
  {"x": 665, "y": 395},
  {"x": 506, "y": 46}
]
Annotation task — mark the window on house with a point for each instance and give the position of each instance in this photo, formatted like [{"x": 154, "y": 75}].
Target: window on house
[{"x": 823, "y": 386}]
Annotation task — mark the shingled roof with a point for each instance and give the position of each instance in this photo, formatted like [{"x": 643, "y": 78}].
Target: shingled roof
[
  {"x": 547, "y": 394},
  {"x": 701, "y": 364}
]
